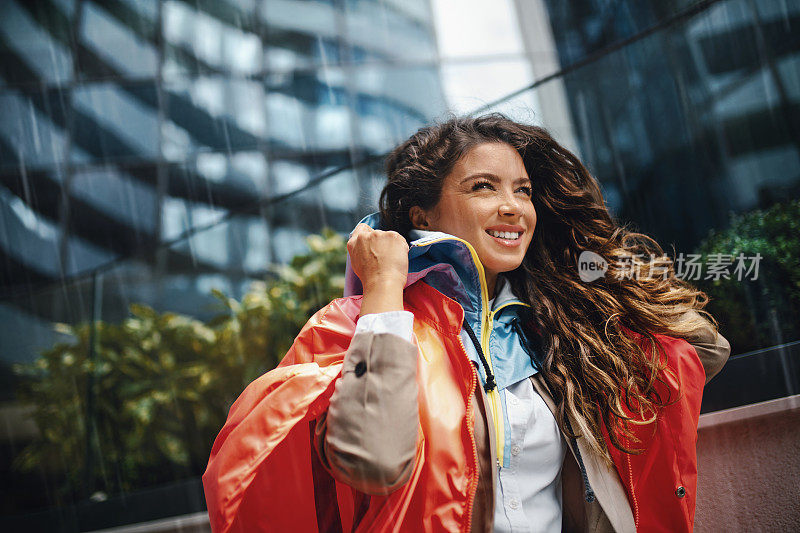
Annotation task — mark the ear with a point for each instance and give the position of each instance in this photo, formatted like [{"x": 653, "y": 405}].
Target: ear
[{"x": 418, "y": 217}]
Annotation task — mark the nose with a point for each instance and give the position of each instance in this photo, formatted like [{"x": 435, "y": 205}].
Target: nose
[{"x": 509, "y": 206}]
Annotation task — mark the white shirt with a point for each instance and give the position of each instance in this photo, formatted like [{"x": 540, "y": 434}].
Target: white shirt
[{"x": 528, "y": 495}]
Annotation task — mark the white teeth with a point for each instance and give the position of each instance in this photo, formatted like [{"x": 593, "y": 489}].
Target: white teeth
[{"x": 509, "y": 235}]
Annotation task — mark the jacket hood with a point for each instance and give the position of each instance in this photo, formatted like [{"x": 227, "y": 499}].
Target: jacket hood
[
  {"x": 445, "y": 262},
  {"x": 448, "y": 264}
]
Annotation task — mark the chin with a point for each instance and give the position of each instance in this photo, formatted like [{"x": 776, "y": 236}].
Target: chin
[{"x": 502, "y": 267}]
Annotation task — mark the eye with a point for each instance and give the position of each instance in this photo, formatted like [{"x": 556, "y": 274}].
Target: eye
[
  {"x": 482, "y": 185},
  {"x": 526, "y": 190}
]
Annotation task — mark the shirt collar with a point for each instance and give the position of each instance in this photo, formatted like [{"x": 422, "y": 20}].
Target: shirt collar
[{"x": 504, "y": 293}]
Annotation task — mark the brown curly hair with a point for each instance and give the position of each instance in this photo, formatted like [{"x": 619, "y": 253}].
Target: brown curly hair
[{"x": 595, "y": 370}]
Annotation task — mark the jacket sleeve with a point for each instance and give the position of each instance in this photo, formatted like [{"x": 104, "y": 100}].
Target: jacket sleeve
[
  {"x": 258, "y": 476},
  {"x": 712, "y": 348},
  {"x": 368, "y": 436}
]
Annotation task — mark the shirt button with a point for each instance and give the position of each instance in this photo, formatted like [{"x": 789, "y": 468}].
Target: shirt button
[
  {"x": 361, "y": 367},
  {"x": 515, "y": 450},
  {"x": 514, "y": 503},
  {"x": 514, "y": 401},
  {"x": 680, "y": 492}
]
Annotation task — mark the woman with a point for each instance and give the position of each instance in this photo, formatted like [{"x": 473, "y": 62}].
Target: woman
[{"x": 471, "y": 379}]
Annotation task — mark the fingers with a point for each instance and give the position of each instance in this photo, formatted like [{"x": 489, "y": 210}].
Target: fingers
[{"x": 362, "y": 230}]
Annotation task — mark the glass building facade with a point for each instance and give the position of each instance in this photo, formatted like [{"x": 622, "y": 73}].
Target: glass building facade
[
  {"x": 128, "y": 126},
  {"x": 687, "y": 113},
  {"x": 153, "y": 151}
]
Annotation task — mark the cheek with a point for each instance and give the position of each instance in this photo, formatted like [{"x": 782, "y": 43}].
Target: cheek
[
  {"x": 448, "y": 218},
  {"x": 531, "y": 219},
  {"x": 460, "y": 217}
]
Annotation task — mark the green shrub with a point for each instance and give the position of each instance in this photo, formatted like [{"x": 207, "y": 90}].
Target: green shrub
[
  {"x": 762, "y": 312},
  {"x": 163, "y": 382}
]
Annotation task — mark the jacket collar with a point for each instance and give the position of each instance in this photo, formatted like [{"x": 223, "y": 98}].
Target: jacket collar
[
  {"x": 450, "y": 265},
  {"x": 504, "y": 294}
]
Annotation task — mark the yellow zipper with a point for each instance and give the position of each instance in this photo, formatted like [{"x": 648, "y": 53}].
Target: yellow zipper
[
  {"x": 494, "y": 395},
  {"x": 487, "y": 318}
]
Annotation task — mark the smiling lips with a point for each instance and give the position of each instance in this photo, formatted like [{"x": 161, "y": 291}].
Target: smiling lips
[
  {"x": 512, "y": 235},
  {"x": 507, "y": 236}
]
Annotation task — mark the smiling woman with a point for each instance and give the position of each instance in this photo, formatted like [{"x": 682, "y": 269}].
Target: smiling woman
[{"x": 470, "y": 380}]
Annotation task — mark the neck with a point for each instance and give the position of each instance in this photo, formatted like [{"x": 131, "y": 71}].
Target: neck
[{"x": 491, "y": 283}]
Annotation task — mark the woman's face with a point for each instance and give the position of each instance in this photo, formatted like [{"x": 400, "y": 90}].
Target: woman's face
[{"x": 486, "y": 200}]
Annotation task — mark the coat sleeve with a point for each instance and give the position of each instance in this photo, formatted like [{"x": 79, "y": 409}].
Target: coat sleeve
[
  {"x": 368, "y": 436},
  {"x": 712, "y": 348}
]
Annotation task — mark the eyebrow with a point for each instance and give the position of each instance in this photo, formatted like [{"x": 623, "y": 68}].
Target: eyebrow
[{"x": 492, "y": 177}]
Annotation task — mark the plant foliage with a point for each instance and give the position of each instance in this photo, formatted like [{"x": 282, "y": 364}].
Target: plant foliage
[
  {"x": 162, "y": 382},
  {"x": 761, "y": 312}
]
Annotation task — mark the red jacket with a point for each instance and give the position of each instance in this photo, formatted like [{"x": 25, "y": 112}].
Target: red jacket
[
  {"x": 661, "y": 483},
  {"x": 264, "y": 474}
]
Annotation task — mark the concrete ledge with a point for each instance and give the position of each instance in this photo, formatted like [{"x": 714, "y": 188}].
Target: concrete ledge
[{"x": 746, "y": 412}]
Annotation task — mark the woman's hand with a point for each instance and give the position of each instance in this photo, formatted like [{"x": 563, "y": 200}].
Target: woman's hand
[{"x": 380, "y": 260}]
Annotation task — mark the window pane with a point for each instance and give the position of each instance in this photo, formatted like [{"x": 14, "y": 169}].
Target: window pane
[
  {"x": 32, "y": 129},
  {"x": 118, "y": 39},
  {"x": 35, "y": 42},
  {"x": 209, "y": 38},
  {"x": 115, "y": 121},
  {"x": 212, "y": 114}
]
